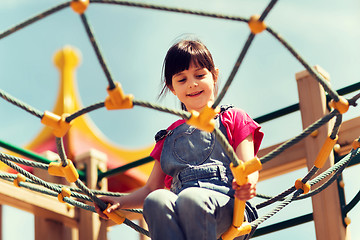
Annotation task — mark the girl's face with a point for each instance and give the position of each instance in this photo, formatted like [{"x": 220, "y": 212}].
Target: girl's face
[{"x": 194, "y": 87}]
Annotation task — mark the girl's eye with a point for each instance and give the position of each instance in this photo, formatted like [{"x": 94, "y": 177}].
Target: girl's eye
[
  {"x": 182, "y": 80},
  {"x": 200, "y": 75}
]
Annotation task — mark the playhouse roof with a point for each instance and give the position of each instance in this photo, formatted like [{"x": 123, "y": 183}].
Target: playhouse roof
[{"x": 83, "y": 134}]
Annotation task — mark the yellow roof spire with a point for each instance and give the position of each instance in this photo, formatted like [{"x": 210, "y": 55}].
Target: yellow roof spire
[{"x": 83, "y": 134}]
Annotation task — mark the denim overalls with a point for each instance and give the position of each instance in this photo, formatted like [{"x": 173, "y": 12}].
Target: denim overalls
[
  {"x": 200, "y": 204},
  {"x": 195, "y": 159}
]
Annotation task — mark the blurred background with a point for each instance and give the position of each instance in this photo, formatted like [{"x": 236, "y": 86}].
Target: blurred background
[{"x": 134, "y": 42}]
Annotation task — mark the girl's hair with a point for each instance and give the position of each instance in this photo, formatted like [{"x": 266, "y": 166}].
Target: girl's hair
[{"x": 181, "y": 55}]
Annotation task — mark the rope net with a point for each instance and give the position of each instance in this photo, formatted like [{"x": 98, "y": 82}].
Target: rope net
[{"x": 80, "y": 193}]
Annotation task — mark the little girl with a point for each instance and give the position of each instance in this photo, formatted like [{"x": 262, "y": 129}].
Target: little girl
[{"x": 190, "y": 162}]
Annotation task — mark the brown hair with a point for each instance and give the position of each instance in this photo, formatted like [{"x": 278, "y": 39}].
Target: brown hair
[{"x": 181, "y": 55}]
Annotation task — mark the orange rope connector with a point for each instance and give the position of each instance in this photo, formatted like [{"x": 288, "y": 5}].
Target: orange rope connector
[
  {"x": 347, "y": 221},
  {"x": 57, "y": 123},
  {"x": 79, "y": 6},
  {"x": 69, "y": 171},
  {"x": 325, "y": 152},
  {"x": 117, "y": 99},
  {"x": 205, "y": 119},
  {"x": 342, "y": 105},
  {"x": 255, "y": 25},
  {"x": 116, "y": 216},
  {"x": 240, "y": 173},
  {"x": 304, "y": 186},
  {"x": 18, "y": 179},
  {"x": 65, "y": 192},
  {"x": 315, "y": 133},
  {"x": 234, "y": 232},
  {"x": 356, "y": 144}
]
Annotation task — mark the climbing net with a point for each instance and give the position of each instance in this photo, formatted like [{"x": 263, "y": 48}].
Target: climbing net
[{"x": 117, "y": 100}]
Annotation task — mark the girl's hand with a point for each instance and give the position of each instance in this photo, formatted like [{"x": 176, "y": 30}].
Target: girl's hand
[
  {"x": 244, "y": 192},
  {"x": 115, "y": 204}
]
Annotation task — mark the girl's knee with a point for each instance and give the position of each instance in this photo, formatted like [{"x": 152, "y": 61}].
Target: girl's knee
[
  {"x": 191, "y": 198},
  {"x": 157, "y": 200}
]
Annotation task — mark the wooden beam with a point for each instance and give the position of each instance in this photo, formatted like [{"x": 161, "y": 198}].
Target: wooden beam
[
  {"x": 37, "y": 204},
  {"x": 91, "y": 226},
  {"x": 49, "y": 228},
  {"x": 349, "y": 132},
  {"x": 326, "y": 205},
  {"x": 294, "y": 157},
  {"x": 290, "y": 160}
]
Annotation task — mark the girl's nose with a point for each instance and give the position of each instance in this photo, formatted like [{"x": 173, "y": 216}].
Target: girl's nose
[{"x": 193, "y": 83}]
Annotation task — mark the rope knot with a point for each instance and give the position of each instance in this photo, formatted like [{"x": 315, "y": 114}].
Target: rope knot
[
  {"x": 18, "y": 179},
  {"x": 65, "y": 192},
  {"x": 304, "y": 186}
]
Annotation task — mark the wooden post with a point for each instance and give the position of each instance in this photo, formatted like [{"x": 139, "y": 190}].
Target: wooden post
[
  {"x": 46, "y": 228},
  {"x": 326, "y": 205},
  {"x": 143, "y": 224},
  {"x": 91, "y": 226}
]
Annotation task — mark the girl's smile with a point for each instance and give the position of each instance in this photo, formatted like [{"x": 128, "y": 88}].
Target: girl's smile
[{"x": 195, "y": 94}]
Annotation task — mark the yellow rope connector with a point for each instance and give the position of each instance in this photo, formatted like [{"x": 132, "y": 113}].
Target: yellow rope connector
[
  {"x": 255, "y": 25},
  {"x": 65, "y": 192},
  {"x": 356, "y": 144},
  {"x": 69, "y": 171},
  {"x": 315, "y": 133},
  {"x": 304, "y": 186},
  {"x": 117, "y": 99},
  {"x": 116, "y": 216},
  {"x": 347, "y": 221},
  {"x": 325, "y": 152},
  {"x": 57, "y": 123},
  {"x": 18, "y": 179},
  {"x": 234, "y": 232},
  {"x": 240, "y": 173},
  {"x": 205, "y": 119},
  {"x": 79, "y": 6},
  {"x": 342, "y": 105}
]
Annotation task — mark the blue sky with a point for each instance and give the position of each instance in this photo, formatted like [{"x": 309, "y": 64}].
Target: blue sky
[{"x": 134, "y": 42}]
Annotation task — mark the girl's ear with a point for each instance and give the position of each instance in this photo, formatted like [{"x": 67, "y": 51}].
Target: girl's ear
[
  {"x": 217, "y": 75},
  {"x": 172, "y": 90}
]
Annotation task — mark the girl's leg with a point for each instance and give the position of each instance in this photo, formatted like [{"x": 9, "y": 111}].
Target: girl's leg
[
  {"x": 204, "y": 214},
  {"x": 160, "y": 215}
]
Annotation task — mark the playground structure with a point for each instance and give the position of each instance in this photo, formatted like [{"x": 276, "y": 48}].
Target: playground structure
[{"x": 313, "y": 106}]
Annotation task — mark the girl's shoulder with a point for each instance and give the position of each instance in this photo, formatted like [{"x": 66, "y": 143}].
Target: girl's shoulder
[
  {"x": 163, "y": 133},
  {"x": 229, "y": 112}
]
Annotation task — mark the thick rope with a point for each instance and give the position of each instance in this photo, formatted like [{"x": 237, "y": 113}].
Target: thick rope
[
  {"x": 241, "y": 57},
  {"x": 34, "y": 19},
  {"x": 169, "y": 9},
  {"x": 84, "y": 111},
  {"x": 336, "y": 169},
  {"x": 296, "y": 139},
  {"x": 333, "y": 94},
  {"x": 21, "y": 104},
  {"x": 286, "y": 202},
  {"x": 98, "y": 53},
  {"x": 180, "y": 113},
  {"x": 23, "y": 161},
  {"x": 61, "y": 151}
]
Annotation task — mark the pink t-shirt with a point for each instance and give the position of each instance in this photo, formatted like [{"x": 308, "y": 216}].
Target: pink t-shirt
[{"x": 238, "y": 126}]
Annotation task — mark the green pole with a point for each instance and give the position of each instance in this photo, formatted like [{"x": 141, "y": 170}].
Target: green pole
[{"x": 31, "y": 155}]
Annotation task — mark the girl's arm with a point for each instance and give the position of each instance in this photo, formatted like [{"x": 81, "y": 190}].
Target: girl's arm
[
  {"x": 136, "y": 198},
  {"x": 245, "y": 151}
]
